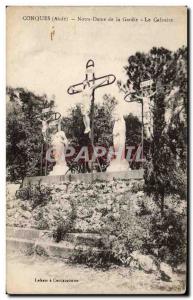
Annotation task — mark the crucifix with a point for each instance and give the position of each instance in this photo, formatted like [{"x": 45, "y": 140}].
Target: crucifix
[
  {"x": 144, "y": 98},
  {"x": 46, "y": 118},
  {"x": 87, "y": 88}
]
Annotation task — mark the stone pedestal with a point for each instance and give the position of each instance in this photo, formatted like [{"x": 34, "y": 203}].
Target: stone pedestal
[
  {"x": 85, "y": 177},
  {"x": 118, "y": 165},
  {"x": 59, "y": 169}
]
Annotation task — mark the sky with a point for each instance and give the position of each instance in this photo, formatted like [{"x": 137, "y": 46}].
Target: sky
[{"x": 42, "y": 65}]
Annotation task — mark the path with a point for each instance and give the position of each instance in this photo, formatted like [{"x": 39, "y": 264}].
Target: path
[{"x": 25, "y": 273}]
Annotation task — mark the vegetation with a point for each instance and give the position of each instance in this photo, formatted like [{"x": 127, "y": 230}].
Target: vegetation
[
  {"x": 167, "y": 151},
  {"x": 24, "y": 138},
  {"x": 130, "y": 218},
  {"x": 126, "y": 218}
]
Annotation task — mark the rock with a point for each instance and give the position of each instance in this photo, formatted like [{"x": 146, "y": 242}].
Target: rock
[
  {"x": 119, "y": 198},
  {"x": 117, "y": 206},
  {"x": 101, "y": 207},
  {"x": 81, "y": 225},
  {"x": 26, "y": 215},
  {"x": 181, "y": 268},
  {"x": 12, "y": 188},
  {"x": 10, "y": 213},
  {"x": 165, "y": 272},
  {"x": 10, "y": 221},
  {"x": 167, "y": 269},
  {"x": 10, "y": 204},
  {"x": 124, "y": 207},
  {"x": 140, "y": 194},
  {"x": 116, "y": 216},
  {"x": 41, "y": 250},
  {"x": 163, "y": 276},
  {"x": 109, "y": 201},
  {"x": 114, "y": 210},
  {"x": 146, "y": 262},
  {"x": 17, "y": 216},
  {"x": 96, "y": 216},
  {"x": 83, "y": 212},
  {"x": 108, "y": 207},
  {"x": 95, "y": 227},
  {"x": 132, "y": 263},
  {"x": 155, "y": 251}
]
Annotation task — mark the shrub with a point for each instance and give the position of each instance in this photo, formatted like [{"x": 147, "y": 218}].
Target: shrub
[
  {"x": 93, "y": 257},
  {"x": 65, "y": 224},
  {"x": 126, "y": 220},
  {"x": 161, "y": 235},
  {"x": 168, "y": 236},
  {"x": 37, "y": 194},
  {"x": 150, "y": 232}
]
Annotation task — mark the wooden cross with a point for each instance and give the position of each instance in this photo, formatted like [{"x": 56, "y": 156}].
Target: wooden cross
[{"x": 94, "y": 83}]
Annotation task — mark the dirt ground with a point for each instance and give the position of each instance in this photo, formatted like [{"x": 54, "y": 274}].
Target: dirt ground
[{"x": 40, "y": 275}]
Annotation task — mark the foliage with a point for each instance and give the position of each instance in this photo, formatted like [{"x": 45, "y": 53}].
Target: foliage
[
  {"x": 134, "y": 223},
  {"x": 47, "y": 210},
  {"x": 37, "y": 194},
  {"x": 127, "y": 219},
  {"x": 168, "y": 236},
  {"x": 133, "y": 137},
  {"x": 24, "y": 136},
  {"x": 166, "y": 154},
  {"x": 92, "y": 257},
  {"x": 103, "y": 127},
  {"x": 103, "y": 131},
  {"x": 150, "y": 232},
  {"x": 74, "y": 127},
  {"x": 65, "y": 224}
]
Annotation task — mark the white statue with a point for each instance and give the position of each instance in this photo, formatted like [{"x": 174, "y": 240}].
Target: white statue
[
  {"x": 148, "y": 104},
  {"x": 45, "y": 125},
  {"x": 87, "y": 95},
  {"x": 58, "y": 143},
  {"x": 119, "y": 163}
]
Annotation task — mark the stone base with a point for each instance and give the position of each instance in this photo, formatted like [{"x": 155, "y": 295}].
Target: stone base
[
  {"x": 59, "y": 170},
  {"x": 117, "y": 165},
  {"x": 31, "y": 241},
  {"x": 85, "y": 177}
]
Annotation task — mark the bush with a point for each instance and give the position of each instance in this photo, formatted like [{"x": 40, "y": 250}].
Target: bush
[
  {"x": 168, "y": 237},
  {"x": 127, "y": 220},
  {"x": 163, "y": 236},
  {"x": 64, "y": 225},
  {"x": 38, "y": 194},
  {"x": 146, "y": 230},
  {"x": 93, "y": 257}
]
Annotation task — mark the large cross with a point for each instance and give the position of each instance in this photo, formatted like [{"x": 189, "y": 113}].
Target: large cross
[
  {"x": 53, "y": 118},
  {"x": 93, "y": 81},
  {"x": 144, "y": 87}
]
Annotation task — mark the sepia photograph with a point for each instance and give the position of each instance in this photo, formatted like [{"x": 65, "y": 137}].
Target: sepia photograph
[{"x": 96, "y": 150}]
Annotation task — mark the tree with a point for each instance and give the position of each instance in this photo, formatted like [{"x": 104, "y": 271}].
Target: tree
[
  {"x": 24, "y": 136},
  {"x": 133, "y": 137},
  {"x": 168, "y": 70}
]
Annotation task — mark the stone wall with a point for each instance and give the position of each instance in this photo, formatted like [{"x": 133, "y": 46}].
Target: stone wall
[{"x": 86, "y": 177}]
